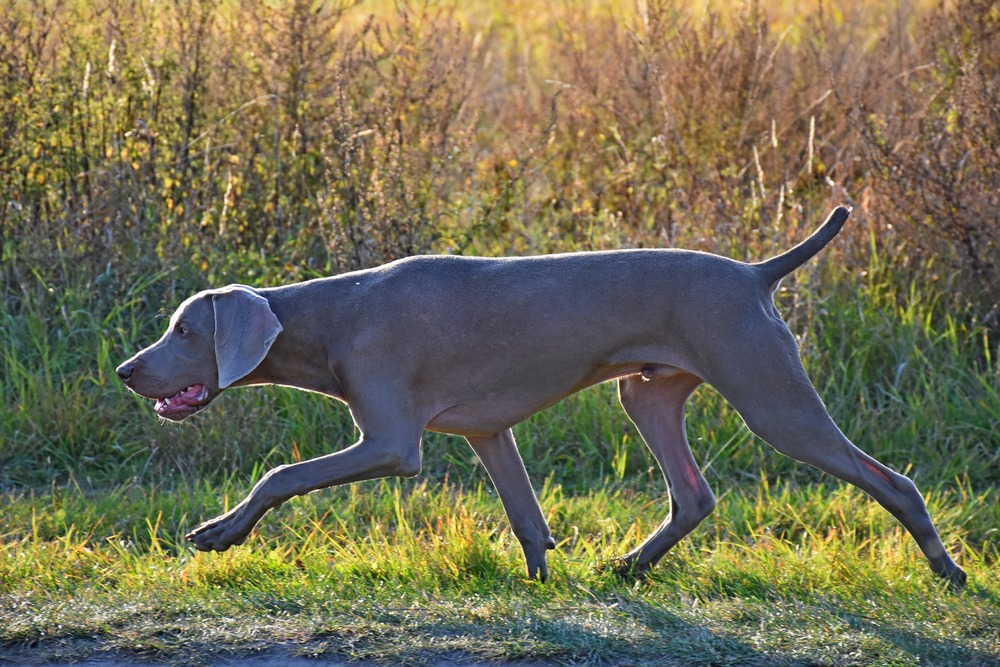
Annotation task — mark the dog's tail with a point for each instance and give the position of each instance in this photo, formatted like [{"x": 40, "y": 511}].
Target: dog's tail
[{"x": 776, "y": 268}]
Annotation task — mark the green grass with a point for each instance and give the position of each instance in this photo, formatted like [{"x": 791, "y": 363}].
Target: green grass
[{"x": 406, "y": 571}]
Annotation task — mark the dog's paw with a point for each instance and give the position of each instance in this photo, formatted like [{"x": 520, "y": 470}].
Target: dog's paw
[
  {"x": 624, "y": 568},
  {"x": 956, "y": 579},
  {"x": 220, "y": 533}
]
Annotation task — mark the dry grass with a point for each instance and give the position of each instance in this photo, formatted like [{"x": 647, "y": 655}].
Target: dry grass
[{"x": 194, "y": 132}]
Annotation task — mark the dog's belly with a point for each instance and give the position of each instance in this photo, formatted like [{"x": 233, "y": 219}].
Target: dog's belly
[{"x": 491, "y": 411}]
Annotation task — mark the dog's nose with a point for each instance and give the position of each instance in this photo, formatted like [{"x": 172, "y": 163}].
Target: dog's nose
[{"x": 125, "y": 370}]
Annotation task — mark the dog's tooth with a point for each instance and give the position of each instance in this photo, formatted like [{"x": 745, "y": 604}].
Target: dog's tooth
[{"x": 166, "y": 401}]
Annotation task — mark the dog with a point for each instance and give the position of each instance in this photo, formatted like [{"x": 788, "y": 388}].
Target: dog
[{"x": 472, "y": 346}]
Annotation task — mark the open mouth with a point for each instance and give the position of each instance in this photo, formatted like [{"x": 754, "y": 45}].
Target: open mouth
[{"x": 182, "y": 403}]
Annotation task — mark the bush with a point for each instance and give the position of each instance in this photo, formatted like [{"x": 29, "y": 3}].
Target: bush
[{"x": 935, "y": 157}]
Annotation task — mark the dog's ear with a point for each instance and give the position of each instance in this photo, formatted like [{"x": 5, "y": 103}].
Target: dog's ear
[{"x": 245, "y": 328}]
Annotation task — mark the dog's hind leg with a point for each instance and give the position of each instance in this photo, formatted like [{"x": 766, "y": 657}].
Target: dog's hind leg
[
  {"x": 498, "y": 454},
  {"x": 778, "y": 402},
  {"x": 656, "y": 407}
]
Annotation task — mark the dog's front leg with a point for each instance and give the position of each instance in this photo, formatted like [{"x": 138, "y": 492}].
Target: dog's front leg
[
  {"x": 502, "y": 461},
  {"x": 371, "y": 457}
]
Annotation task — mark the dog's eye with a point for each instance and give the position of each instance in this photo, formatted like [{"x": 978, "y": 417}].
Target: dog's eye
[{"x": 181, "y": 329}]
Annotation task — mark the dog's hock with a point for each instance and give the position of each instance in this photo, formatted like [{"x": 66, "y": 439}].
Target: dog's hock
[{"x": 245, "y": 328}]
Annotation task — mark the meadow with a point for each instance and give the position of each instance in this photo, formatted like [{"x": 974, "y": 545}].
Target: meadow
[{"x": 149, "y": 150}]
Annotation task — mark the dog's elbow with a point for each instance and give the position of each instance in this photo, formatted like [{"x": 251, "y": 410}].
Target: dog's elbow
[
  {"x": 406, "y": 466},
  {"x": 394, "y": 461}
]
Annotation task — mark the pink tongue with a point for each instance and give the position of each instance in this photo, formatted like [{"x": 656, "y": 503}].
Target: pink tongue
[
  {"x": 190, "y": 395},
  {"x": 193, "y": 395}
]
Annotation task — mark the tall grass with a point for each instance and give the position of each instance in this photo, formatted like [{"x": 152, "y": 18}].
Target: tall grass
[
  {"x": 151, "y": 150},
  {"x": 229, "y": 140}
]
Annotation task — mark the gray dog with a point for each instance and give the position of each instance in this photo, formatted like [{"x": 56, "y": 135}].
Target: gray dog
[{"x": 472, "y": 346}]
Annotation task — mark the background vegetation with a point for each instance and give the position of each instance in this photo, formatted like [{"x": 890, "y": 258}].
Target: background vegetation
[{"x": 148, "y": 150}]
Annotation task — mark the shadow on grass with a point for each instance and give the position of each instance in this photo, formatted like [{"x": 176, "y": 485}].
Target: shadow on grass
[
  {"x": 800, "y": 625},
  {"x": 930, "y": 650},
  {"x": 538, "y": 625},
  {"x": 541, "y": 635}
]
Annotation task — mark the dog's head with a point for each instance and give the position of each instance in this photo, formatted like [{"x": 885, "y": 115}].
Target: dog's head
[{"x": 215, "y": 338}]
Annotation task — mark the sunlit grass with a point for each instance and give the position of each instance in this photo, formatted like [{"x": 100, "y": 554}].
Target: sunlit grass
[{"x": 388, "y": 568}]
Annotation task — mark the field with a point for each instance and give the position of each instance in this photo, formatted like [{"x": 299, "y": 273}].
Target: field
[{"x": 149, "y": 150}]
